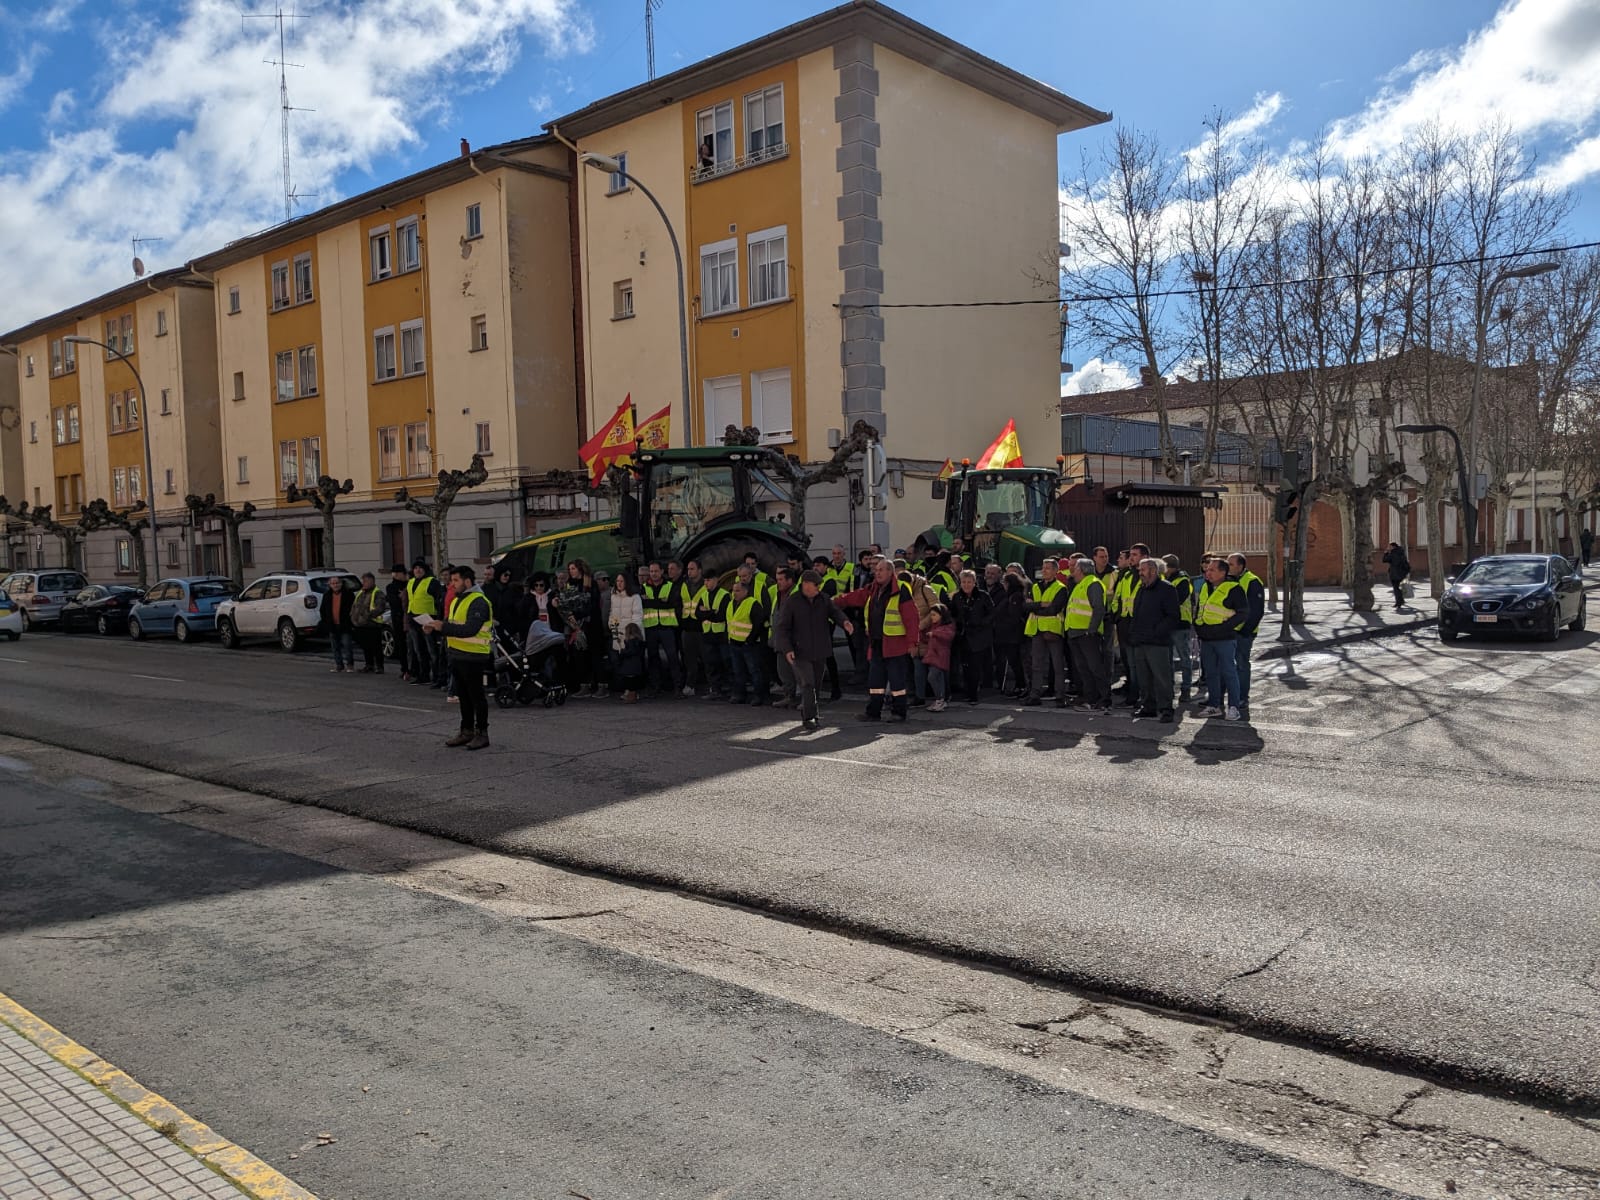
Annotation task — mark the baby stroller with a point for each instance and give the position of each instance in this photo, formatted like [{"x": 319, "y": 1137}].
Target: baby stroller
[{"x": 530, "y": 674}]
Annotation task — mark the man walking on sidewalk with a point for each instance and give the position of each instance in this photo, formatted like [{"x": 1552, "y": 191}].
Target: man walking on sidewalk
[
  {"x": 802, "y": 634},
  {"x": 1155, "y": 618}
]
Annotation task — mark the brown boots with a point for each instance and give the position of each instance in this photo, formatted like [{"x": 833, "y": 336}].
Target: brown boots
[{"x": 472, "y": 741}]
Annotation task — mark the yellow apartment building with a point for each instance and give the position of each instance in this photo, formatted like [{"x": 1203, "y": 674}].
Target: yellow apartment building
[
  {"x": 819, "y": 179},
  {"x": 82, "y": 425},
  {"x": 389, "y": 337}
]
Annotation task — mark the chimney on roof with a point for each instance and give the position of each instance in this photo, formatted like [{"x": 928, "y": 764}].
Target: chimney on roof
[{"x": 466, "y": 147}]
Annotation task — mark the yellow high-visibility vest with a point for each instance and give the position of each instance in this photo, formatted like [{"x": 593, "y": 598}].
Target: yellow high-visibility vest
[
  {"x": 893, "y": 623},
  {"x": 1080, "y": 605},
  {"x": 741, "y": 620},
  {"x": 1186, "y": 605},
  {"x": 713, "y": 614},
  {"x": 419, "y": 597},
  {"x": 1044, "y": 624},
  {"x": 1212, "y": 610},
  {"x": 480, "y": 642},
  {"x": 658, "y": 605}
]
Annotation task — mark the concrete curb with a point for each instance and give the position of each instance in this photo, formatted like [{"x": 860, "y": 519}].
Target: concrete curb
[{"x": 234, "y": 1163}]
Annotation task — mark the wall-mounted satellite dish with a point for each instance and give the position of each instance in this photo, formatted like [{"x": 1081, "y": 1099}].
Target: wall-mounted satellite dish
[{"x": 138, "y": 265}]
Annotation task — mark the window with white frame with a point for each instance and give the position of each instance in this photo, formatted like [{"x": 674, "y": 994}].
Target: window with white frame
[
  {"x": 408, "y": 245},
  {"x": 116, "y": 413},
  {"x": 474, "y": 221},
  {"x": 288, "y": 462},
  {"x": 69, "y": 352},
  {"x": 389, "y": 452},
  {"x": 484, "y": 443},
  {"x": 75, "y": 423},
  {"x": 172, "y": 552},
  {"x": 171, "y": 482},
  {"x": 58, "y": 417},
  {"x": 127, "y": 333},
  {"x": 135, "y": 484},
  {"x": 306, "y": 359},
  {"x": 378, "y": 253},
  {"x": 714, "y": 129},
  {"x": 113, "y": 338},
  {"x": 768, "y": 252},
  {"x": 166, "y": 402},
  {"x": 383, "y": 353},
  {"x": 302, "y": 278},
  {"x": 724, "y": 406},
  {"x": 28, "y": 366},
  {"x": 763, "y": 122},
  {"x": 419, "y": 458},
  {"x": 619, "y": 178},
  {"x": 771, "y": 410},
  {"x": 161, "y": 322},
  {"x": 413, "y": 348},
  {"x": 132, "y": 399},
  {"x": 719, "y": 277},
  {"x": 283, "y": 363},
  {"x": 479, "y": 337},
  {"x": 124, "y": 554},
  {"x": 244, "y": 468},
  {"x": 622, "y": 299},
  {"x": 280, "y": 286},
  {"x": 310, "y": 461},
  {"x": 119, "y": 486},
  {"x": 33, "y": 433},
  {"x": 56, "y": 345},
  {"x": 233, "y": 301}
]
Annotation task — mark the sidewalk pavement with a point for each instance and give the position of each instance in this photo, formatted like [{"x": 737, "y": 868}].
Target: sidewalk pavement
[{"x": 70, "y": 1129}]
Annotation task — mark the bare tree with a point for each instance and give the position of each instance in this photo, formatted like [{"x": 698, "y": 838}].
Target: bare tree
[
  {"x": 802, "y": 479},
  {"x": 208, "y": 507},
  {"x": 42, "y": 517},
  {"x": 323, "y": 497},
  {"x": 437, "y": 506},
  {"x": 98, "y": 514}
]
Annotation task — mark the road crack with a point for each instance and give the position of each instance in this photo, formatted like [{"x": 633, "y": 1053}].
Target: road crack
[
  {"x": 1270, "y": 960},
  {"x": 575, "y": 916}
]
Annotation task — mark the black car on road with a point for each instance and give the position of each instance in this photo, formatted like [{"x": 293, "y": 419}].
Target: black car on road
[
  {"x": 1539, "y": 594},
  {"x": 102, "y": 607}
]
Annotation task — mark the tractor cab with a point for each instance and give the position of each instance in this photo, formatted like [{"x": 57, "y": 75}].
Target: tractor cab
[{"x": 1003, "y": 514}]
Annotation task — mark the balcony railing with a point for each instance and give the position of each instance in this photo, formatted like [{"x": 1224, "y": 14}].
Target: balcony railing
[{"x": 699, "y": 174}]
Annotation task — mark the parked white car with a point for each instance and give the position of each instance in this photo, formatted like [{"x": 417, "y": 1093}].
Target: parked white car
[
  {"x": 10, "y": 618},
  {"x": 285, "y": 606}
]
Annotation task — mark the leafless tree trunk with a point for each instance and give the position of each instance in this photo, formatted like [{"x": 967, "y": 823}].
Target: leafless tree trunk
[
  {"x": 208, "y": 507},
  {"x": 436, "y": 508}
]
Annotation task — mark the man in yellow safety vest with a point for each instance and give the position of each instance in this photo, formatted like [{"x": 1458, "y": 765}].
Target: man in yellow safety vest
[
  {"x": 1085, "y": 627},
  {"x": 424, "y": 597},
  {"x": 663, "y": 602},
  {"x": 1047, "y": 632},
  {"x": 468, "y": 632}
]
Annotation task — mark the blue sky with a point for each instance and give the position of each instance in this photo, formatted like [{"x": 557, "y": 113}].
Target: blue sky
[{"x": 158, "y": 118}]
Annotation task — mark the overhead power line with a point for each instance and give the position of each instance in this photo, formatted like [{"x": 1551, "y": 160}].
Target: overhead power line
[{"x": 1229, "y": 287}]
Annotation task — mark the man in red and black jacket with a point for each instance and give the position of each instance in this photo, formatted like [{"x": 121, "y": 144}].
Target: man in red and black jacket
[{"x": 892, "y": 626}]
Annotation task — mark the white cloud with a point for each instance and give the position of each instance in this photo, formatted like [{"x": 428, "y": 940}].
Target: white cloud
[
  {"x": 374, "y": 73},
  {"x": 15, "y": 81},
  {"x": 1098, "y": 375},
  {"x": 1535, "y": 67}
]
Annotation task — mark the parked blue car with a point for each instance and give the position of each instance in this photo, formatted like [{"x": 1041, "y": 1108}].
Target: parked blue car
[{"x": 183, "y": 607}]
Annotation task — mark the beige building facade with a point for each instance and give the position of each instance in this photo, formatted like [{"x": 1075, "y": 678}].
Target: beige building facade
[{"x": 818, "y": 180}]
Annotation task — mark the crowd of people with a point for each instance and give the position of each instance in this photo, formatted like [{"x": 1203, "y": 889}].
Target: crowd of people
[{"x": 921, "y": 630}]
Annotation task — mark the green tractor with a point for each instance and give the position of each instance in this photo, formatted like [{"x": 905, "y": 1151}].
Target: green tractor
[
  {"x": 1001, "y": 515},
  {"x": 699, "y": 503}
]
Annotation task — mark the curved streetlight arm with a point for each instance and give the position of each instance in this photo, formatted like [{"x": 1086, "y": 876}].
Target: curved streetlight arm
[
  {"x": 613, "y": 166},
  {"x": 78, "y": 339},
  {"x": 1469, "y": 508}
]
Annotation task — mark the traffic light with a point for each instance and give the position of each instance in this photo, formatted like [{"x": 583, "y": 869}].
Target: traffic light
[{"x": 1285, "y": 505}]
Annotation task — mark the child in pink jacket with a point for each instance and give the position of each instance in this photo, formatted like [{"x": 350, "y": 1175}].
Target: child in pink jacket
[{"x": 936, "y": 638}]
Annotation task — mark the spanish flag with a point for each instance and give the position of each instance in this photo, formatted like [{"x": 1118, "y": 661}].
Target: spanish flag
[
  {"x": 1006, "y": 451},
  {"x": 655, "y": 433},
  {"x": 947, "y": 471},
  {"x": 613, "y": 443}
]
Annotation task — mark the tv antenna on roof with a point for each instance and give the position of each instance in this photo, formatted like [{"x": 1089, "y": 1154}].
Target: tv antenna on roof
[
  {"x": 283, "y": 21},
  {"x": 138, "y": 263},
  {"x": 650, "y": 7}
]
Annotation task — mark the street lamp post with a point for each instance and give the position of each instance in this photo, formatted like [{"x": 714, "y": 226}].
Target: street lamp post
[
  {"x": 144, "y": 428},
  {"x": 1470, "y": 499},
  {"x": 1469, "y": 510},
  {"x": 612, "y": 166}
]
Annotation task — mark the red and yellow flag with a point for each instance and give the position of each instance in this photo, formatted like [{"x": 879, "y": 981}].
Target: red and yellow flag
[
  {"x": 1005, "y": 451},
  {"x": 614, "y": 442},
  {"x": 947, "y": 471},
  {"x": 655, "y": 433}
]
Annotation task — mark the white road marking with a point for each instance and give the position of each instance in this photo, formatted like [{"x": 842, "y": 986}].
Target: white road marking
[
  {"x": 833, "y": 758},
  {"x": 1488, "y": 681},
  {"x": 23, "y": 661},
  {"x": 157, "y": 678},
  {"x": 396, "y": 707},
  {"x": 1323, "y": 730},
  {"x": 1582, "y": 684}
]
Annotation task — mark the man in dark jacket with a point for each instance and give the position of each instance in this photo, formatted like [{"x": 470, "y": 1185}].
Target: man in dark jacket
[
  {"x": 802, "y": 634},
  {"x": 974, "y": 645},
  {"x": 395, "y": 612},
  {"x": 338, "y": 608},
  {"x": 1155, "y": 617},
  {"x": 1220, "y": 610},
  {"x": 1399, "y": 568},
  {"x": 466, "y": 630}
]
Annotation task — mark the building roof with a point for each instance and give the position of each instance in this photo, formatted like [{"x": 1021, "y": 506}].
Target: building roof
[
  {"x": 865, "y": 18},
  {"x": 156, "y": 281}
]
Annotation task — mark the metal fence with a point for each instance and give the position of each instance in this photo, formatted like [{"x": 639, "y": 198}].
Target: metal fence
[{"x": 1244, "y": 522}]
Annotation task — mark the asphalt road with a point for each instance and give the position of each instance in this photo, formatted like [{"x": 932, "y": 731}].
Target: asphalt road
[
  {"x": 1398, "y": 859},
  {"x": 452, "y": 1052}
]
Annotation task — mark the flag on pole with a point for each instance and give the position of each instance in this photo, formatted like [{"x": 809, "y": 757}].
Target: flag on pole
[
  {"x": 947, "y": 471},
  {"x": 1005, "y": 451},
  {"x": 655, "y": 433},
  {"x": 614, "y": 442}
]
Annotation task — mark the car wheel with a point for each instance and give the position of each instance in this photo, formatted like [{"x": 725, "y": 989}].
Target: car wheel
[
  {"x": 1582, "y": 619},
  {"x": 288, "y": 635},
  {"x": 12, "y": 635},
  {"x": 1448, "y": 633},
  {"x": 27, "y": 622},
  {"x": 226, "y": 634},
  {"x": 388, "y": 644},
  {"x": 64, "y": 624},
  {"x": 180, "y": 630},
  {"x": 1552, "y": 629},
  {"x": 103, "y": 627},
  {"x": 135, "y": 630}
]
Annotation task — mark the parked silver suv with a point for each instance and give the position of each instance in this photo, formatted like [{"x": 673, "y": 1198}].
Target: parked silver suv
[
  {"x": 39, "y": 595},
  {"x": 285, "y": 606}
]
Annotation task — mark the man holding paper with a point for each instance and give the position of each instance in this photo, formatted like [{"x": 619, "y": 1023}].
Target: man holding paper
[{"x": 468, "y": 633}]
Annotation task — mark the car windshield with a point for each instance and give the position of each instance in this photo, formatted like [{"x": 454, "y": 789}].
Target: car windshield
[
  {"x": 1507, "y": 571},
  {"x": 1004, "y": 502},
  {"x": 209, "y": 588},
  {"x": 60, "y": 583}
]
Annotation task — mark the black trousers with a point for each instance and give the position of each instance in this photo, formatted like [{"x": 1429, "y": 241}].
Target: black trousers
[
  {"x": 467, "y": 671},
  {"x": 974, "y": 667},
  {"x": 370, "y": 639}
]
